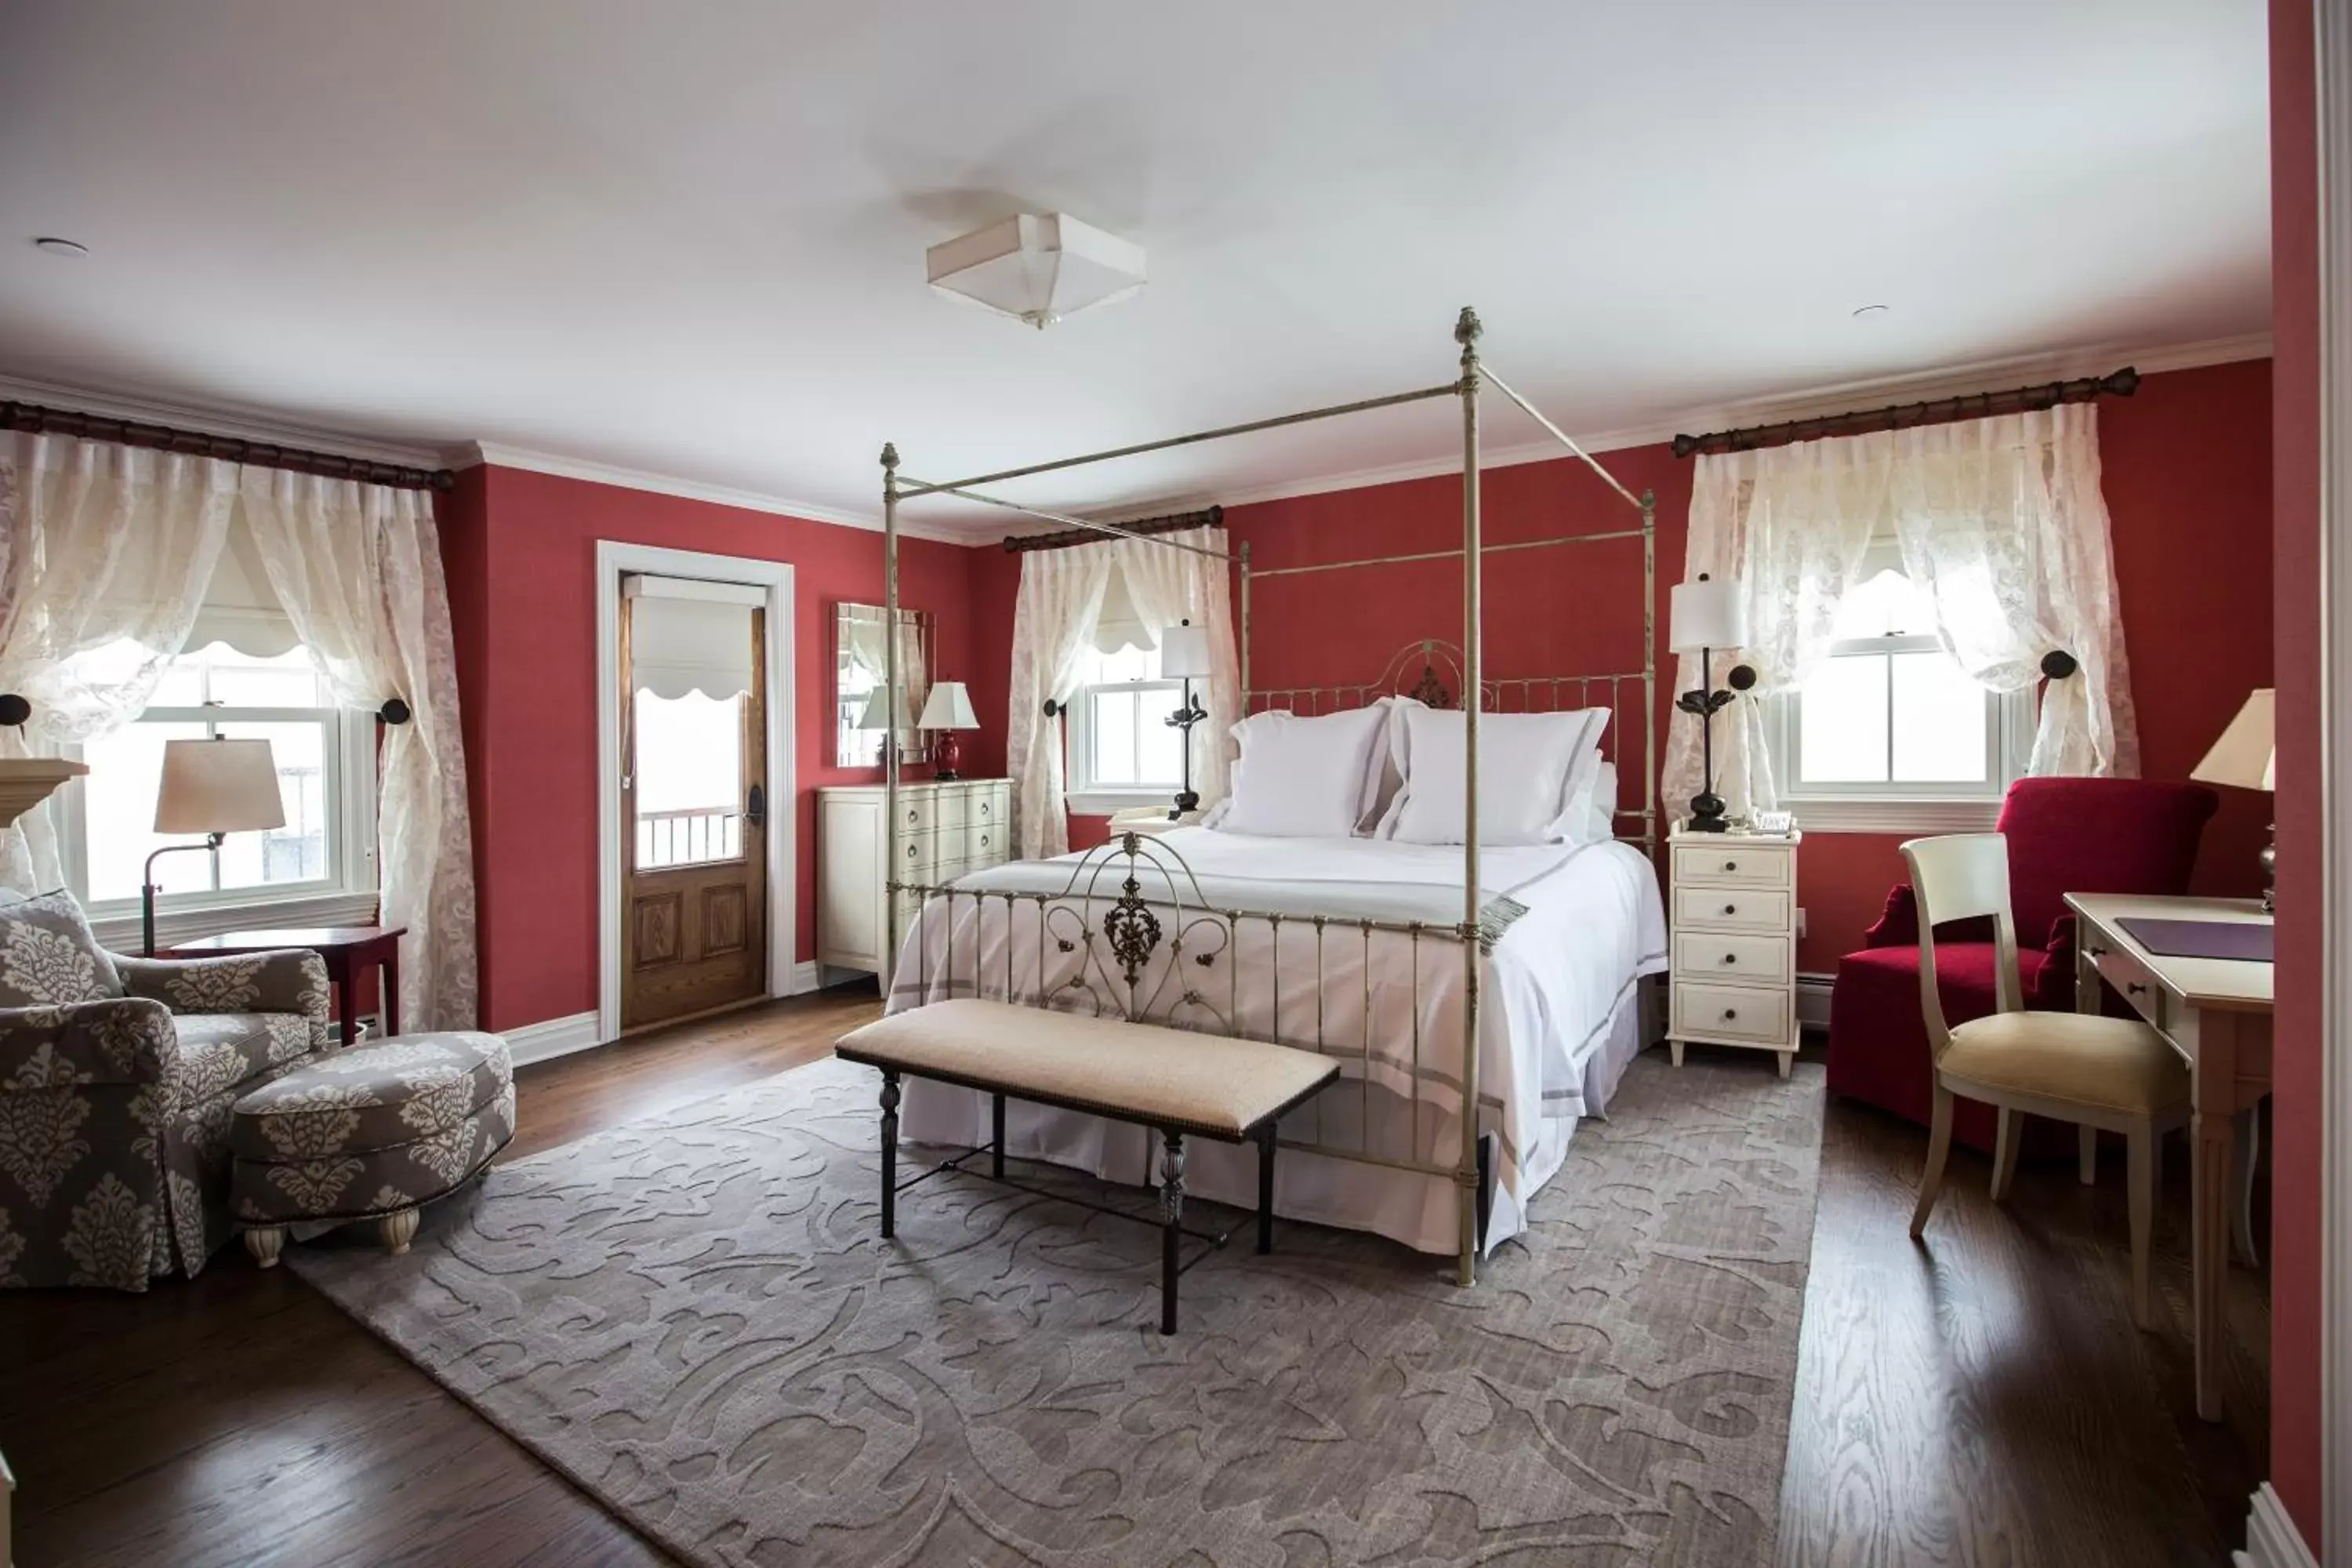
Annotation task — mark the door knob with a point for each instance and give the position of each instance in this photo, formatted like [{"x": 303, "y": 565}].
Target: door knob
[{"x": 755, "y": 809}]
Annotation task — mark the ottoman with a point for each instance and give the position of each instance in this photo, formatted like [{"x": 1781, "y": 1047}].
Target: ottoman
[{"x": 372, "y": 1133}]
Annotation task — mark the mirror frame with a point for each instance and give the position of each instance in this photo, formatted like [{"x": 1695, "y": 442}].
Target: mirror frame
[{"x": 855, "y": 747}]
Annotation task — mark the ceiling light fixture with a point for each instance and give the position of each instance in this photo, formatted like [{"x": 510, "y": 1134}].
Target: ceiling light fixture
[
  {"x": 1867, "y": 312},
  {"x": 57, "y": 247},
  {"x": 1037, "y": 268}
]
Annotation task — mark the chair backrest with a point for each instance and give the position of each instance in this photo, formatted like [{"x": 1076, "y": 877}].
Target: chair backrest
[
  {"x": 2097, "y": 835},
  {"x": 1961, "y": 876}
]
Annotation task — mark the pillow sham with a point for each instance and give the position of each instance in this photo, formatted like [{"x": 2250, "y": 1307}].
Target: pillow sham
[
  {"x": 1527, "y": 764},
  {"x": 1303, "y": 778},
  {"x": 1590, "y": 816}
]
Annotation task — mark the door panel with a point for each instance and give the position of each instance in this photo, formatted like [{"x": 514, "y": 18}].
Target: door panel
[{"x": 694, "y": 832}]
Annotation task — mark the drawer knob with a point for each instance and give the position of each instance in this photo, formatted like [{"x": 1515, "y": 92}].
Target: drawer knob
[
  {"x": 1732, "y": 908},
  {"x": 1731, "y": 1011},
  {"x": 1731, "y": 865},
  {"x": 1730, "y": 958},
  {"x": 2135, "y": 987},
  {"x": 2098, "y": 953}
]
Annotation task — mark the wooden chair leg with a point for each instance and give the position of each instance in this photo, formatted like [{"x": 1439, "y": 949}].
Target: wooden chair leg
[
  {"x": 2142, "y": 1177},
  {"x": 2009, "y": 1133},
  {"x": 2086, "y": 1155},
  {"x": 397, "y": 1230},
  {"x": 266, "y": 1244},
  {"x": 1940, "y": 1146}
]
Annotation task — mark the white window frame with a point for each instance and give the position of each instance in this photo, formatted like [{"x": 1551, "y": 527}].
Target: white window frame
[
  {"x": 1901, "y": 807},
  {"x": 349, "y": 898},
  {"x": 1082, "y": 794}
]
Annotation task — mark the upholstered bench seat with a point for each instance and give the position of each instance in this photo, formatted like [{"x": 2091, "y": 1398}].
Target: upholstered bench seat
[
  {"x": 374, "y": 1132},
  {"x": 1175, "y": 1081}
]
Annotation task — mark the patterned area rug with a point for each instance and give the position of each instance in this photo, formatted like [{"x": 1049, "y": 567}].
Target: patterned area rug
[{"x": 694, "y": 1319}]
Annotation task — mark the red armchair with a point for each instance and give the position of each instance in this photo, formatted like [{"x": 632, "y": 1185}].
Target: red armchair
[{"x": 2065, "y": 836}]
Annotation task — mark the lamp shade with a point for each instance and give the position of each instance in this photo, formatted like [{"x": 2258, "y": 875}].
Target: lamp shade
[
  {"x": 218, "y": 786},
  {"x": 1184, "y": 651},
  {"x": 879, "y": 709},
  {"x": 1037, "y": 268},
  {"x": 2242, "y": 756},
  {"x": 1709, "y": 613},
  {"x": 948, "y": 707}
]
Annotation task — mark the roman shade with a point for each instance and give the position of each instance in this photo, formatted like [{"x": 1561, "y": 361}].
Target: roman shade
[{"x": 687, "y": 636}]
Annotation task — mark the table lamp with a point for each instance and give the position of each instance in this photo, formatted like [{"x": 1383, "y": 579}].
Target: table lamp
[
  {"x": 946, "y": 710},
  {"x": 2243, "y": 757},
  {"x": 1184, "y": 654},
  {"x": 214, "y": 787},
  {"x": 1707, "y": 614}
]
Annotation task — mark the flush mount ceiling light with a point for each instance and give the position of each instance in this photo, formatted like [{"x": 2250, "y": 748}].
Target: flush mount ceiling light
[
  {"x": 1037, "y": 268},
  {"x": 54, "y": 246}
]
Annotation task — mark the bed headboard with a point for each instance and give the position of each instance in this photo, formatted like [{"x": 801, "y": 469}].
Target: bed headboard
[{"x": 1429, "y": 669}]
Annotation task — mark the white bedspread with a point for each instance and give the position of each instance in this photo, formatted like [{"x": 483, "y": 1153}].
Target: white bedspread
[{"x": 1577, "y": 927}]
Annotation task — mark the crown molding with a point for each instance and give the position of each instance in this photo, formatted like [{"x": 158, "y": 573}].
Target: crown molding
[
  {"x": 222, "y": 419},
  {"x": 1910, "y": 386},
  {"x": 498, "y": 455}
]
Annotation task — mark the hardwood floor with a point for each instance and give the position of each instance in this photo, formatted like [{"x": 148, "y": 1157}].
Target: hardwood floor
[{"x": 1983, "y": 1400}]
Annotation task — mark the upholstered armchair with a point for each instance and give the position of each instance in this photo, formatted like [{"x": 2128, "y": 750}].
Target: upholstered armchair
[
  {"x": 117, "y": 1077},
  {"x": 2065, "y": 836}
]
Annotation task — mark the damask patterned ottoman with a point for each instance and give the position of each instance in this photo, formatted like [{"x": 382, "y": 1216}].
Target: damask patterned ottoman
[{"x": 372, "y": 1133}]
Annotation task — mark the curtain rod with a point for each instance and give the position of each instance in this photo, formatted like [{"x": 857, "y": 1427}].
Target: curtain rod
[
  {"x": 33, "y": 417},
  {"x": 1070, "y": 538},
  {"x": 1902, "y": 416}
]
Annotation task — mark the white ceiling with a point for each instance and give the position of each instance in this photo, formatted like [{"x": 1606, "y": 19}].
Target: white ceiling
[{"x": 689, "y": 238}]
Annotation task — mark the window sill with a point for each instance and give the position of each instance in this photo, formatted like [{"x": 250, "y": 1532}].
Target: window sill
[
  {"x": 120, "y": 933},
  {"x": 1111, "y": 802},
  {"x": 1895, "y": 814}
]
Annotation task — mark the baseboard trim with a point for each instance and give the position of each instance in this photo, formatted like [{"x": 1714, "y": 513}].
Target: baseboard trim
[
  {"x": 806, "y": 977},
  {"x": 1813, "y": 1001},
  {"x": 552, "y": 1037},
  {"x": 2271, "y": 1539}
]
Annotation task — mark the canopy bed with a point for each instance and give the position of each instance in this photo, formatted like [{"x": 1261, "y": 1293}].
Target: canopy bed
[{"x": 1442, "y": 972}]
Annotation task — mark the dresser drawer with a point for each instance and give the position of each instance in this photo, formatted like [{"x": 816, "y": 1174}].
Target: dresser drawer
[
  {"x": 983, "y": 843},
  {"x": 950, "y": 807},
  {"x": 1733, "y": 959},
  {"x": 1730, "y": 908},
  {"x": 918, "y": 811},
  {"x": 990, "y": 804},
  {"x": 1731, "y": 1011},
  {"x": 1735, "y": 864}
]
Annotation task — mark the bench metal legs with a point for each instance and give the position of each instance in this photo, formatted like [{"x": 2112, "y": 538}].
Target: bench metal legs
[
  {"x": 890, "y": 1154},
  {"x": 1171, "y": 1225},
  {"x": 1265, "y": 1189},
  {"x": 996, "y": 1136}
]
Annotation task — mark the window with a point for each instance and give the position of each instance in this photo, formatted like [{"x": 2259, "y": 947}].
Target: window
[
  {"x": 688, "y": 766},
  {"x": 1889, "y": 732},
  {"x": 326, "y": 777},
  {"x": 1122, "y": 750}
]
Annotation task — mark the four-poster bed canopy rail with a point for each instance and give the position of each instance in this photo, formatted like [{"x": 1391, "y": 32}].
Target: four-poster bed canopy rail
[{"x": 1125, "y": 938}]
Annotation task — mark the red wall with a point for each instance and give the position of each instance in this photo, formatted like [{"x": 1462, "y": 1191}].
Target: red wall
[
  {"x": 2186, "y": 466},
  {"x": 2295, "y": 1299},
  {"x": 520, "y": 551}
]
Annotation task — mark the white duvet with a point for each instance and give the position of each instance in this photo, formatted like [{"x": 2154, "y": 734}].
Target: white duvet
[{"x": 1579, "y": 925}]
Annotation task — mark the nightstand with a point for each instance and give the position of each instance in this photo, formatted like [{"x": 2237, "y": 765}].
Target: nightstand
[{"x": 1734, "y": 940}]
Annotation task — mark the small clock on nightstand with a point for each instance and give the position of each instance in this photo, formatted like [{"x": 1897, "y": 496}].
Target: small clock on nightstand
[{"x": 1732, "y": 981}]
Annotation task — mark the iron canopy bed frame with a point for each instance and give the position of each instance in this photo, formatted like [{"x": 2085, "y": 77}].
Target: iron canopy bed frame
[{"x": 1114, "y": 952}]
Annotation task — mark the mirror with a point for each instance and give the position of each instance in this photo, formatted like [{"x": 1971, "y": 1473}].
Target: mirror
[{"x": 858, "y": 661}]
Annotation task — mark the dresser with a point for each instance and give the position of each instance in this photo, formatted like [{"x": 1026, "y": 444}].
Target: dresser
[
  {"x": 944, "y": 831},
  {"x": 1733, "y": 980}
]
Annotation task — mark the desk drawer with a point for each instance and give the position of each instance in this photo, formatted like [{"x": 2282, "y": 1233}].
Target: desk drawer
[
  {"x": 1732, "y": 958},
  {"x": 2132, "y": 981},
  {"x": 1702, "y": 1010},
  {"x": 1735, "y": 864},
  {"x": 1732, "y": 908}
]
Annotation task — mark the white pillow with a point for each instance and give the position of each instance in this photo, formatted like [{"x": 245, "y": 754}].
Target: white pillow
[
  {"x": 1528, "y": 763},
  {"x": 1302, "y": 778},
  {"x": 1590, "y": 816}
]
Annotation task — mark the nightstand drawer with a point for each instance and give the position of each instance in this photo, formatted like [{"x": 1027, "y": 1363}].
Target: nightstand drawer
[
  {"x": 1734, "y": 1012},
  {"x": 1734, "y": 864},
  {"x": 1731, "y": 958},
  {"x": 1732, "y": 908}
]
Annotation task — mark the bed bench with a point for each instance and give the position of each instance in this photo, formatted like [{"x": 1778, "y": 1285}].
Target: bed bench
[{"x": 1175, "y": 1081}]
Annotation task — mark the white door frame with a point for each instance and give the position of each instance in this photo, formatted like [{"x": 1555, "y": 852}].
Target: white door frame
[{"x": 613, "y": 559}]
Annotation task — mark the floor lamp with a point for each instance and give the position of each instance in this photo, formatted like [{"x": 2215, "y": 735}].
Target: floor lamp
[{"x": 214, "y": 787}]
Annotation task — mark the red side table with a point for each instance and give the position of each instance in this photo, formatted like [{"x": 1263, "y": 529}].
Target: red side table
[{"x": 346, "y": 949}]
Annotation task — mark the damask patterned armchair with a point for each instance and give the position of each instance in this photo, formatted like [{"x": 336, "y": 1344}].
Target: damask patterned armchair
[{"x": 117, "y": 1076}]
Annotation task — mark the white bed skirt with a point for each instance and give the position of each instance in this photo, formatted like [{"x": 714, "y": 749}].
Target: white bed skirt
[{"x": 1422, "y": 1212}]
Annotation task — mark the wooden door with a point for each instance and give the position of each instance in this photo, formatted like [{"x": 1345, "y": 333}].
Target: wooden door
[{"x": 694, "y": 884}]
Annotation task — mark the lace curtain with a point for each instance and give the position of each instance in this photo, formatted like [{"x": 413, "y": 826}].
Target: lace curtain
[
  {"x": 2000, "y": 521},
  {"x": 108, "y": 550},
  {"x": 357, "y": 568}
]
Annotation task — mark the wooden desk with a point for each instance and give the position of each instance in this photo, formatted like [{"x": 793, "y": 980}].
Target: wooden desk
[
  {"x": 2217, "y": 1014},
  {"x": 346, "y": 949}
]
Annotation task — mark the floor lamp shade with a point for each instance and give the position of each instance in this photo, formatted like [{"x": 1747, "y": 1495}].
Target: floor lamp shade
[
  {"x": 1707, "y": 614},
  {"x": 218, "y": 786}
]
